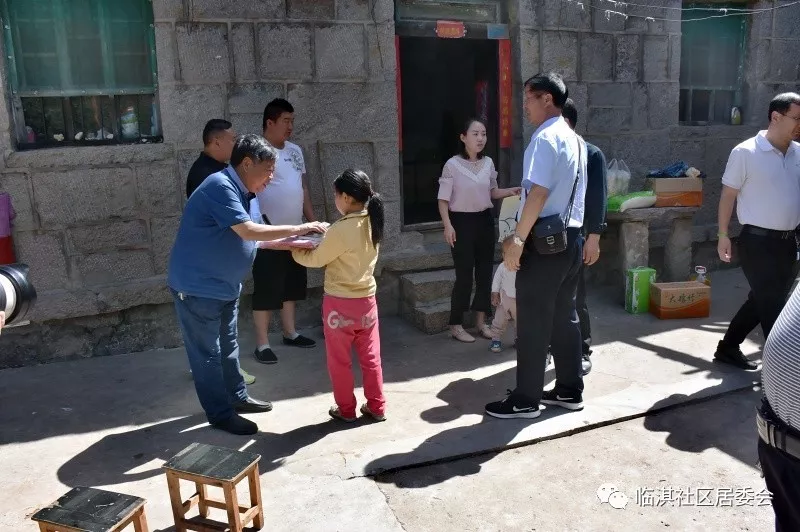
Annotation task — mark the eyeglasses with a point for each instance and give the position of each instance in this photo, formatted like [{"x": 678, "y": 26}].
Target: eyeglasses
[{"x": 796, "y": 120}]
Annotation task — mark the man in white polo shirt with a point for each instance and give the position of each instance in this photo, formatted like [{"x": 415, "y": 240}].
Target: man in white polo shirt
[
  {"x": 278, "y": 280},
  {"x": 763, "y": 179},
  {"x": 554, "y": 186}
]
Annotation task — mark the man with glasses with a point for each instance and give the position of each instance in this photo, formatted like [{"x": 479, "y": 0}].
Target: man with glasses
[
  {"x": 554, "y": 185},
  {"x": 763, "y": 179}
]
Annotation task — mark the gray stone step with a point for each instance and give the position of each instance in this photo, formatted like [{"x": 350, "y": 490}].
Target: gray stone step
[
  {"x": 429, "y": 257},
  {"x": 431, "y": 318},
  {"x": 426, "y": 287},
  {"x": 425, "y": 299}
]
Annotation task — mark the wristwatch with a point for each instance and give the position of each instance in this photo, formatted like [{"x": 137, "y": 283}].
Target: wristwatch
[{"x": 518, "y": 241}]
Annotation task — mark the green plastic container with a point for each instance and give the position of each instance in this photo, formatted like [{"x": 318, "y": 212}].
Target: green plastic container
[{"x": 637, "y": 289}]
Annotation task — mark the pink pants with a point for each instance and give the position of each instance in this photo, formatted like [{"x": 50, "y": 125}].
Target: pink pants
[{"x": 348, "y": 324}]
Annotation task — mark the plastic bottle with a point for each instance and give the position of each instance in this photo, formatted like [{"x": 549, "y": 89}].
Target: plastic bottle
[
  {"x": 130, "y": 123},
  {"x": 736, "y": 116},
  {"x": 701, "y": 276}
]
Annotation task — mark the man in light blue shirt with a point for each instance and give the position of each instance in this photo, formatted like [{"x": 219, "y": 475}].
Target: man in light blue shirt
[
  {"x": 212, "y": 254},
  {"x": 554, "y": 183}
]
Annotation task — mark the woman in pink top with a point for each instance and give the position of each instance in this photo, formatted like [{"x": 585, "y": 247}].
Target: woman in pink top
[{"x": 466, "y": 190}]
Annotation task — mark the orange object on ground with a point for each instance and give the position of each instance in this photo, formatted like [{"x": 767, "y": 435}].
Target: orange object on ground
[{"x": 670, "y": 301}]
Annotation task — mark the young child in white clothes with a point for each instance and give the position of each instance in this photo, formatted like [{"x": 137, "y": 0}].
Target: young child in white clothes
[{"x": 504, "y": 297}]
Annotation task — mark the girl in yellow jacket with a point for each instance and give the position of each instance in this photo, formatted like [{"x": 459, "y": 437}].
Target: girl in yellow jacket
[{"x": 349, "y": 252}]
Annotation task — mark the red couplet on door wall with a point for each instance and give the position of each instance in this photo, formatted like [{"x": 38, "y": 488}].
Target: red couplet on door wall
[{"x": 504, "y": 91}]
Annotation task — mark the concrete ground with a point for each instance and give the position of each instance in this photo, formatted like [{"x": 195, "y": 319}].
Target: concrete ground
[
  {"x": 668, "y": 460},
  {"x": 112, "y": 422}
]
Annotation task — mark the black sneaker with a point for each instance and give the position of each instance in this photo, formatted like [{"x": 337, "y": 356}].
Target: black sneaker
[
  {"x": 512, "y": 407},
  {"x": 300, "y": 341},
  {"x": 550, "y": 397},
  {"x": 586, "y": 365},
  {"x": 265, "y": 356},
  {"x": 733, "y": 356},
  {"x": 238, "y": 425}
]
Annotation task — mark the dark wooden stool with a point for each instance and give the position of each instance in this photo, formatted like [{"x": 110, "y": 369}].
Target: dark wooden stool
[
  {"x": 92, "y": 510},
  {"x": 207, "y": 465}
]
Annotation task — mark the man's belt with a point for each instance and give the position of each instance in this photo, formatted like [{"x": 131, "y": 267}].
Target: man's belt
[
  {"x": 778, "y": 437},
  {"x": 771, "y": 233}
]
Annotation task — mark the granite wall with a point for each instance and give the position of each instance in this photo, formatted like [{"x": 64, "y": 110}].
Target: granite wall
[{"x": 96, "y": 224}]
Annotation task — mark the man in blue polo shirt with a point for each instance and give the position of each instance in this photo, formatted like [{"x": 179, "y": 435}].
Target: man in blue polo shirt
[
  {"x": 554, "y": 185},
  {"x": 212, "y": 254}
]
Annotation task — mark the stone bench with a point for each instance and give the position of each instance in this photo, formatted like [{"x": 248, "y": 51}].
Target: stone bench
[{"x": 633, "y": 231}]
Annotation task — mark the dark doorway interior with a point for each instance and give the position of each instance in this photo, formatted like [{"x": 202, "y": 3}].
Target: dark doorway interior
[{"x": 444, "y": 83}]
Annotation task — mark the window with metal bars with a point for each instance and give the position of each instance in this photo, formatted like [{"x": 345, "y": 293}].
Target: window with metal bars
[
  {"x": 81, "y": 72},
  {"x": 712, "y": 64}
]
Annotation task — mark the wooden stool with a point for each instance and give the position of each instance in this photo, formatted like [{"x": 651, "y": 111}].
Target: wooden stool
[
  {"x": 92, "y": 510},
  {"x": 207, "y": 465}
]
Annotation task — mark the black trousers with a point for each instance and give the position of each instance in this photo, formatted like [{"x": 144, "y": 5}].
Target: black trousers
[
  {"x": 473, "y": 256},
  {"x": 277, "y": 278},
  {"x": 583, "y": 313},
  {"x": 782, "y": 476},
  {"x": 546, "y": 289},
  {"x": 768, "y": 264}
]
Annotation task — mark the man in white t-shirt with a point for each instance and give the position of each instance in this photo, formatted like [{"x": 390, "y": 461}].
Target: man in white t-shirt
[
  {"x": 762, "y": 178},
  {"x": 278, "y": 280}
]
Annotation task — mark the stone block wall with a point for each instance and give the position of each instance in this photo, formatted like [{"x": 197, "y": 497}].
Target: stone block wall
[
  {"x": 773, "y": 64},
  {"x": 624, "y": 75},
  {"x": 333, "y": 60},
  {"x": 96, "y": 224}
]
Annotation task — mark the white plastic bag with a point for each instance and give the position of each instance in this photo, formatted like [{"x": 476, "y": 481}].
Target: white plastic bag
[
  {"x": 618, "y": 178},
  {"x": 623, "y": 177}
]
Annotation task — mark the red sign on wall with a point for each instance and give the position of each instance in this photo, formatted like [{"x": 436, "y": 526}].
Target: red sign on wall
[
  {"x": 449, "y": 29},
  {"x": 504, "y": 91}
]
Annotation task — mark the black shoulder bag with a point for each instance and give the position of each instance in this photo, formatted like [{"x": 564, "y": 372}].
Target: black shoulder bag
[{"x": 549, "y": 234}]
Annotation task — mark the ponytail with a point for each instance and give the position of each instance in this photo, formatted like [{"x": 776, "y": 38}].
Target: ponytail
[
  {"x": 376, "y": 217},
  {"x": 357, "y": 185}
]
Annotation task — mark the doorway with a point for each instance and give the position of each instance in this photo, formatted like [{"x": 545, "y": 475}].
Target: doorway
[{"x": 444, "y": 83}]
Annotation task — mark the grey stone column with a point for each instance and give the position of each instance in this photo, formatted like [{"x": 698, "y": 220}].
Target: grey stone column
[
  {"x": 678, "y": 251},
  {"x": 634, "y": 245}
]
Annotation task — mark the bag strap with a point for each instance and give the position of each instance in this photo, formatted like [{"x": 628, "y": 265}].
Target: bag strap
[
  {"x": 565, "y": 217},
  {"x": 574, "y": 185}
]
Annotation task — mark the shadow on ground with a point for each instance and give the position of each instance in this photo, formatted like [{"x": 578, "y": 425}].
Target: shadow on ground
[
  {"x": 152, "y": 394},
  {"x": 468, "y": 396},
  {"x": 711, "y": 427},
  {"x": 138, "y": 454}
]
